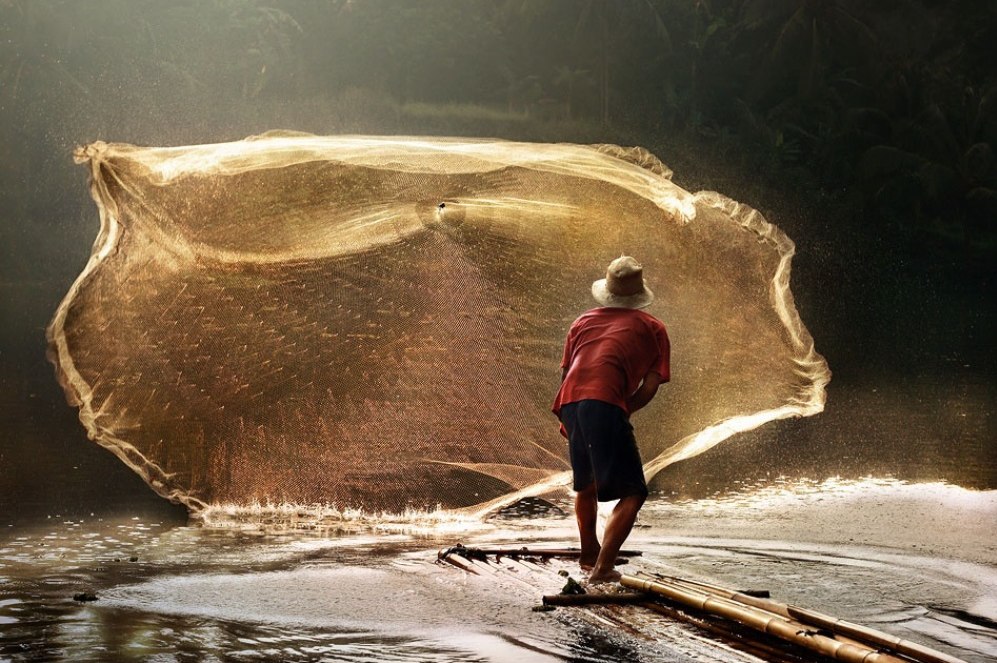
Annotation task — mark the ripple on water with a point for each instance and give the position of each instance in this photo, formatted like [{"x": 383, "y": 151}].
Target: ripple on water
[{"x": 842, "y": 548}]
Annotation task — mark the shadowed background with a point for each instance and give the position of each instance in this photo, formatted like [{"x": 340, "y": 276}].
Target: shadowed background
[{"x": 866, "y": 133}]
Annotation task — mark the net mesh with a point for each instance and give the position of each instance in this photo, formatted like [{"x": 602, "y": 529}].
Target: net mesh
[{"x": 377, "y": 323}]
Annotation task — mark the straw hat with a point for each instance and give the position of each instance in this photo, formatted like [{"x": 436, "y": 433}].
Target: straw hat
[{"x": 623, "y": 286}]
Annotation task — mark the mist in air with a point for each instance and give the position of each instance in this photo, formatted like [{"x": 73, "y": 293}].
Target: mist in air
[
  {"x": 864, "y": 133},
  {"x": 871, "y": 152}
]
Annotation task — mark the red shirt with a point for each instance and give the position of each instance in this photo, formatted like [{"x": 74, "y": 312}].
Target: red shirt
[{"x": 608, "y": 352}]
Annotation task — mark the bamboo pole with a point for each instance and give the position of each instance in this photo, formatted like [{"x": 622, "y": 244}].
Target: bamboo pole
[
  {"x": 761, "y": 620},
  {"x": 460, "y": 565},
  {"x": 594, "y": 599},
  {"x": 863, "y": 634},
  {"x": 567, "y": 553},
  {"x": 872, "y": 636},
  {"x": 756, "y": 647}
]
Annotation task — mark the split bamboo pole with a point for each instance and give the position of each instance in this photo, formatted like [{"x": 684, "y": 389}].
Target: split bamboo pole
[
  {"x": 864, "y": 634},
  {"x": 761, "y": 620}
]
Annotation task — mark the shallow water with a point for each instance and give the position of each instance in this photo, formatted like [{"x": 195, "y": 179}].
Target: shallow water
[{"x": 916, "y": 560}]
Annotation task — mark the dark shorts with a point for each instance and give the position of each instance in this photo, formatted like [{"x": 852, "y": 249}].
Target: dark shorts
[{"x": 603, "y": 450}]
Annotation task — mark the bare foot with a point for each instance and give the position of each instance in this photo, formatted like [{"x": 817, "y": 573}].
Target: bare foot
[
  {"x": 605, "y": 576},
  {"x": 588, "y": 559}
]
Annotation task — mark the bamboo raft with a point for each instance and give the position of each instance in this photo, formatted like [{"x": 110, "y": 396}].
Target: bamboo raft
[{"x": 755, "y": 623}]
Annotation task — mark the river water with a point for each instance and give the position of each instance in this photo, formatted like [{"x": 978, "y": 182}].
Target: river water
[{"x": 915, "y": 560}]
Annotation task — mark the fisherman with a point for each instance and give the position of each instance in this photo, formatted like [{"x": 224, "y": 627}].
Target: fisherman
[{"x": 615, "y": 357}]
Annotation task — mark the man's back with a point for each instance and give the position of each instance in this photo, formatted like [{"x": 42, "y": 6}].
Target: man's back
[{"x": 608, "y": 352}]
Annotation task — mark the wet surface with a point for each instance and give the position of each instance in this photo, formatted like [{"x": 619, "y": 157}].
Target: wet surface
[{"x": 918, "y": 561}]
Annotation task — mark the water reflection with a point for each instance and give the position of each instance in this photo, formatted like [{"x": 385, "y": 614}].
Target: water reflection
[{"x": 918, "y": 560}]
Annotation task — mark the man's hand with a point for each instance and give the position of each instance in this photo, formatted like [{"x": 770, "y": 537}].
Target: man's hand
[{"x": 645, "y": 392}]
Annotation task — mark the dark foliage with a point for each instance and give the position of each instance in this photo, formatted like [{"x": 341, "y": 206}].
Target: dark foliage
[
  {"x": 895, "y": 99},
  {"x": 872, "y": 126}
]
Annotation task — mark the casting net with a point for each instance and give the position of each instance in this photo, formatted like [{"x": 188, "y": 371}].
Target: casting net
[{"x": 377, "y": 323}]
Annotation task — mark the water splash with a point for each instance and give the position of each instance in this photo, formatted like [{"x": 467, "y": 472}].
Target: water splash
[{"x": 375, "y": 323}]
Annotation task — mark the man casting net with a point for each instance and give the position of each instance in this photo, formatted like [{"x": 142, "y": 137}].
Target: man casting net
[{"x": 378, "y": 322}]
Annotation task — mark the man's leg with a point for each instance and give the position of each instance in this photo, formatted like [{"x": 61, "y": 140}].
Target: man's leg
[
  {"x": 621, "y": 521},
  {"x": 586, "y": 498},
  {"x": 586, "y": 513}
]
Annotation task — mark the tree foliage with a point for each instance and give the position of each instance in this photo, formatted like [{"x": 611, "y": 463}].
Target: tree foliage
[{"x": 894, "y": 98}]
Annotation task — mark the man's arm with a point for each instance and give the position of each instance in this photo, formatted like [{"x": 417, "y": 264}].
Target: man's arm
[{"x": 645, "y": 392}]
